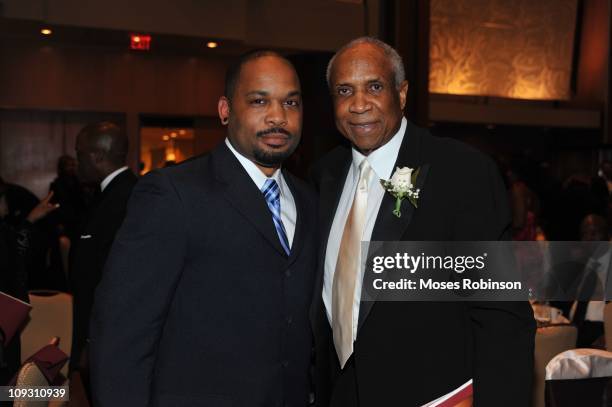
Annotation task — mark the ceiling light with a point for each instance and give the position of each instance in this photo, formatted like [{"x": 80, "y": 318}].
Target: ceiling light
[
  {"x": 212, "y": 44},
  {"x": 46, "y": 31}
]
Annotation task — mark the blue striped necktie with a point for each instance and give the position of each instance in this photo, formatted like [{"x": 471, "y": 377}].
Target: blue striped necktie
[{"x": 271, "y": 192}]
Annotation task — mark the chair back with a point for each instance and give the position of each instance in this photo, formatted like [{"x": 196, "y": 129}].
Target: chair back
[
  {"x": 51, "y": 316},
  {"x": 30, "y": 375},
  {"x": 579, "y": 377},
  {"x": 549, "y": 342}
]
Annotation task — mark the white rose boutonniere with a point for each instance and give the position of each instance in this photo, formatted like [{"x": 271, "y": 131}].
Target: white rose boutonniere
[{"x": 402, "y": 186}]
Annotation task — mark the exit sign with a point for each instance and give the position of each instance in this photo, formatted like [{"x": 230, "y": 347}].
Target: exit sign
[{"x": 140, "y": 42}]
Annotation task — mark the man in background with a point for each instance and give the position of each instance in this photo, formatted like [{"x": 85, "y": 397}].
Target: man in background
[
  {"x": 101, "y": 150},
  {"x": 68, "y": 194}
]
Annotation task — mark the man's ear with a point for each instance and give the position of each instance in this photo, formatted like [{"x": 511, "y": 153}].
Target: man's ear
[
  {"x": 223, "y": 107},
  {"x": 403, "y": 93}
]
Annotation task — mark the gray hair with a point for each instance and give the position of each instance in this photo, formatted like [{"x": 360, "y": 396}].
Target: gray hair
[{"x": 393, "y": 57}]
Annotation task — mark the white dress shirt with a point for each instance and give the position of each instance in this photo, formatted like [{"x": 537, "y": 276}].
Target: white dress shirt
[
  {"x": 110, "y": 177},
  {"x": 382, "y": 161},
  {"x": 287, "y": 204}
]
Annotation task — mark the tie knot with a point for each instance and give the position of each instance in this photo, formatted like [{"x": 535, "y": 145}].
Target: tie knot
[
  {"x": 271, "y": 190},
  {"x": 364, "y": 174}
]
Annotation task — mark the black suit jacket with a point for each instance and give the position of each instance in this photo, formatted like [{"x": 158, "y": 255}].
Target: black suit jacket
[
  {"x": 89, "y": 252},
  {"x": 409, "y": 353},
  {"x": 199, "y": 304}
]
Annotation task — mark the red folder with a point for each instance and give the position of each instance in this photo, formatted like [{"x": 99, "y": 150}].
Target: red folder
[
  {"x": 13, "y": 314},
  {"x": 461, "y": 396}
]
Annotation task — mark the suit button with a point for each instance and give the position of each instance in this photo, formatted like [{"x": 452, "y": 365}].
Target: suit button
[
  {"x": 285, "y": 363},
  {"x": 288, "y": 273},
  {"x": 289, "y": 320}
]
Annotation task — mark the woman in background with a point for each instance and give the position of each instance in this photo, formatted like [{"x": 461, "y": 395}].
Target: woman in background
[{"x": 16, "y": 245}]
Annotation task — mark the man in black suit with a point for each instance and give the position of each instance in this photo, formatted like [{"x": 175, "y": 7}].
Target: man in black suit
[
  {"x": 101, "y": 150},
  {"x": 406, "y": 353},
  {"x": 205, "y": 297}
]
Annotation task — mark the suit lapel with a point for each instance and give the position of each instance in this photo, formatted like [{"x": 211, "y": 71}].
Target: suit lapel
[
  {"x": 389, "y": 227},
  {"x": 241, "y": 192},
  {"x": 330, "y": 189}
]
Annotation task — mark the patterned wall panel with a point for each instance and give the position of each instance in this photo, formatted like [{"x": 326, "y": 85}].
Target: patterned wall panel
[{"x": 507, "y": 48}]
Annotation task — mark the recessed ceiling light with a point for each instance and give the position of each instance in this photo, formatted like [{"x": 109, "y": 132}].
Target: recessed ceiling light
[
  {"x": 212, "y": 44},
  {"x": 46, "y": 31}
]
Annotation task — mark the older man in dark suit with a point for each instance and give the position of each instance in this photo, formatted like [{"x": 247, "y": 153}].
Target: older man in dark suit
[
  {"x": 406, "y": 353},
  {"x": 205, "y": 297},
  {"x": 101, "y": 150}
]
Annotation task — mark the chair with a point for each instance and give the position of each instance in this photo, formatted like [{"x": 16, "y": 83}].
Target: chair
[
  {"x": 30, "y": 375},
  {"x": 608, "y": 325},
  {"x": 579, "y": 377},
  {"x": 549, "y": 341},
  {"x": 51, "y": 316}
]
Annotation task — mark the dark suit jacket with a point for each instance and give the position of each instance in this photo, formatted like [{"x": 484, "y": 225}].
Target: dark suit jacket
[
  {"x": 88, "y": 254},
  {"x": 409, "y": 353},
  {"x": 199, "y": 304}
]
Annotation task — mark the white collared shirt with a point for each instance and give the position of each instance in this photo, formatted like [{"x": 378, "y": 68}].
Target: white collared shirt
[
  {"x": 382, "y": 161},
  {"x": 287, "y": 204},
  {"x": 110, "y": 177}
]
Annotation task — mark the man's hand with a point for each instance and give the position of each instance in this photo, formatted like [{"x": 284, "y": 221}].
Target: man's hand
[{"x": 41, "y": 210}]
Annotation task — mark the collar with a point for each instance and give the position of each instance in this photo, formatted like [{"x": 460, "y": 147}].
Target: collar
[
  {"x": 258, "y": 177},
  {"x": 110, "y": 177},
  {"x": 602, "y": 262},
  {"x": 383, "y": 158}
]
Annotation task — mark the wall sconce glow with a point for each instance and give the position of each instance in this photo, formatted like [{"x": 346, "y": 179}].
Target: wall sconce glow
[
  {"x": 170, "y": 157},
  {"x": 165, "y": 137},
  {"x": 46, "y": 31},
  {"x": 212, "y": 44},
  {"x": 488, "y": 51},
  {"x": 173, "y": 134}
]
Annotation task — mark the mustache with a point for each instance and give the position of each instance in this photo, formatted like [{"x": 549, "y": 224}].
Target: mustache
[{"x": 274, "y": 130}]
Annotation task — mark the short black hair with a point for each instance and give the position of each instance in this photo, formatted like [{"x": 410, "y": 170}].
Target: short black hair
[
  {"x": 233, "y": 72},
  {"x": 108, "y": 138}
]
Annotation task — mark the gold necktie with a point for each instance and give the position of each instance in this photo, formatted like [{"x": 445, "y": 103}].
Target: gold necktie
[{"x": 347, "y": 268}]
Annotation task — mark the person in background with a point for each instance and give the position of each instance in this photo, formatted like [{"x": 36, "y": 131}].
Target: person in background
[
  {"x": 524, "y": 205},
  {"x": 605, "y": 172},
  {"x": 16, "y": 246},
  {"x": 68, "y": 193},
  {"x": 101, "y": 150},
  {"x": 19, "y": 201},
  {"x": 588, "y": 314}
]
